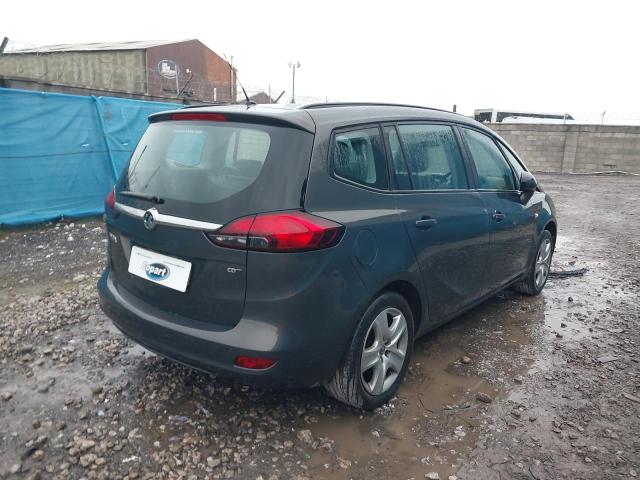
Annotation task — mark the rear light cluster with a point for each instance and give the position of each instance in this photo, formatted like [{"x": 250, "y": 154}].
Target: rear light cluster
[
  {"x": 291, "y": 231},
  {"x": 110, "y": 201}
]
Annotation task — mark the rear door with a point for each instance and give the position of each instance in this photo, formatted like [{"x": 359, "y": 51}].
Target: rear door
[
  {"x": 512, "y": 220},
  {"x": 445, "y": 220},
  {"x": 185, "y": 179}
]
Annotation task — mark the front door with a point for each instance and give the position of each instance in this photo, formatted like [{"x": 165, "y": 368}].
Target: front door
[{"x": 511, "y": 219}]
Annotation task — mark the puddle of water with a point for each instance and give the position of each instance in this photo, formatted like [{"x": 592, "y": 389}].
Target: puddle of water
[
  {"x": 418, "y": 436},
  {"x": 436, "y": 420},
  {"x": 573, "y": 305}
]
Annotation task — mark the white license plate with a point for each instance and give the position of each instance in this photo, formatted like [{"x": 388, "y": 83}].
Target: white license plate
[{"x": 157, "y": 268}]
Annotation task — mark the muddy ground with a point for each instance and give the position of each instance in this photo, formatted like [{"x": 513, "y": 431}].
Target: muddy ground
[{"x": 550, "y": 388}]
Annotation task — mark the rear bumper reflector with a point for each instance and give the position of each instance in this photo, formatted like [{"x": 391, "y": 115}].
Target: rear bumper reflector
[{"x": 254, "y": 363}]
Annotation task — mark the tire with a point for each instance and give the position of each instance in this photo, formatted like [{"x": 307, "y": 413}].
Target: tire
[
  {"x": 536, "y": 277},
  {"x": 368, "y": 390}
]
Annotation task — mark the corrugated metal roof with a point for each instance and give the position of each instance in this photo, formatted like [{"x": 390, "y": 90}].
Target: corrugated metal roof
[{"x": 92, "y": 47}]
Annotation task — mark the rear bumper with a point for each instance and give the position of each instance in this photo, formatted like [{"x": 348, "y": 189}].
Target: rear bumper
[{"x": 306, "y": 352}]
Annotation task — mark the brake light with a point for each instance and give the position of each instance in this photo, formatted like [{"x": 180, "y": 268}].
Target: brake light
[
  {"x": 110, "y": 201},
  {"x": 291, "y": 231},
  {"x": 211, "y": 117},
  {"x": 254, "y": 363}
]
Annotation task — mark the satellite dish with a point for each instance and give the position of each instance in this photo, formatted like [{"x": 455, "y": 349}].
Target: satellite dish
[{"x": 168, "y": 69}]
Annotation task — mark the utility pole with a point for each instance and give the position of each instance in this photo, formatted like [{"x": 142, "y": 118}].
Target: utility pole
[
  {"x": 177, "y": 80},
  {"x": 232, "y": 79},
  {"x": 3, "y": 45},
  {"x": 294, "y": 65}
]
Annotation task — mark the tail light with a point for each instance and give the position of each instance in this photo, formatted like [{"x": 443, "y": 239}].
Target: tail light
[
  {"x": 291, "y": 231},
  {"x": 110, "y": 201}
]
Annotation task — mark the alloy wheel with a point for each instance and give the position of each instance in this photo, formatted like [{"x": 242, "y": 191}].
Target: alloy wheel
[
  {"x": 543, "y": 262},
  {"x": 384, "y": 351}
]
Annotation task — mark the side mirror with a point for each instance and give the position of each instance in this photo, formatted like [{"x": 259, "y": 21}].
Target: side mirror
[{"x": 528, "y": 182}]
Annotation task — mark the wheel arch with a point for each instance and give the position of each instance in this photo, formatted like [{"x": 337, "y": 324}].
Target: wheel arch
[
  {"x": 413, "y": 298},
  {"x": 553, "y": 229}
]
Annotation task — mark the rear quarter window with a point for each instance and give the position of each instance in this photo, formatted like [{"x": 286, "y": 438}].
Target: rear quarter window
[{"x": 358, "y": 156}]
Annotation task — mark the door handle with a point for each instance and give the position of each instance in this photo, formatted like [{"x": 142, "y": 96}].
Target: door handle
[
  {"x": 498, "y": 216},
  {"x": 426, "y": 223}
]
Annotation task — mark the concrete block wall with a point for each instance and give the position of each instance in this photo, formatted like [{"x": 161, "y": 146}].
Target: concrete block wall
[{"x": 573, "y": 148}]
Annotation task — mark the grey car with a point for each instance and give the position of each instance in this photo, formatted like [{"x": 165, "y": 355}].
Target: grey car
[{"x": 312, "y": 245}]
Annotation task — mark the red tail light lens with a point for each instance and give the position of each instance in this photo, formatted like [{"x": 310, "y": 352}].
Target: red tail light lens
[
  {"x": 110, "y": 201},
  {"x": 211, "y": 117},
  {"x": 234, "y": 234},
  {"x": 254, "y": 363},
  {"x": 292, "y": 231}
]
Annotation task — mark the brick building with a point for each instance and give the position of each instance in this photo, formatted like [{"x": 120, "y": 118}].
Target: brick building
[{"x": 186, "y": 71}]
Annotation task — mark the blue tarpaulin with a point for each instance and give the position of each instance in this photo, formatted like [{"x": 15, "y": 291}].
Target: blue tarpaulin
[{"x": 60, "y": 154}]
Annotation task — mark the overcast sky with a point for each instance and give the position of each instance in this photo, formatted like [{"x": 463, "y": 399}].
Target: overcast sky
[{"x": 581, "y": 57}]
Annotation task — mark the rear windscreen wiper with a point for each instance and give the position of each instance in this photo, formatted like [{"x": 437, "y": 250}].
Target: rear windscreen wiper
[{"x": 142, "y": 196}]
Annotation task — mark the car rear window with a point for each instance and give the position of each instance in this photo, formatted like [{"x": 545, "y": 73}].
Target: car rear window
[{"x": 200, "y": 162}]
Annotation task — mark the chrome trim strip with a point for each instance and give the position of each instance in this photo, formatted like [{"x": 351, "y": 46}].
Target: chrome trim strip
[
  {"x": 170, "y": 220},
  {"x": 133, "y": 212}
]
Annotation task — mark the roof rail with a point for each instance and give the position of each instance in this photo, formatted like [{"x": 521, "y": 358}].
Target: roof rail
[{"x": 366, "y": 104}]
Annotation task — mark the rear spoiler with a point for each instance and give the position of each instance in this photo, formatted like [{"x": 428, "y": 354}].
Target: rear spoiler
[{"x": 300, "y": 120}]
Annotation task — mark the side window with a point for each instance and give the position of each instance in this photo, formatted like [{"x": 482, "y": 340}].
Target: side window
[
  {"x": 358, "y": 156},
  {"x": 515, "y": 163},
  {"x": 433, "y": 156},
  {"x": 401, "y": 175},
  {"x": 493, "y": 170}
]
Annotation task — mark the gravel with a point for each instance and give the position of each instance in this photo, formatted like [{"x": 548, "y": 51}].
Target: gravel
[{"x": 79, "y": 400}]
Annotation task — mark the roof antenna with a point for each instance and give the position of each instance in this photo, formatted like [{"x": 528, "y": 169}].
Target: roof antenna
[
  {"x": 279, "y": 97},
  {"x": 248, "y": 101}
]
